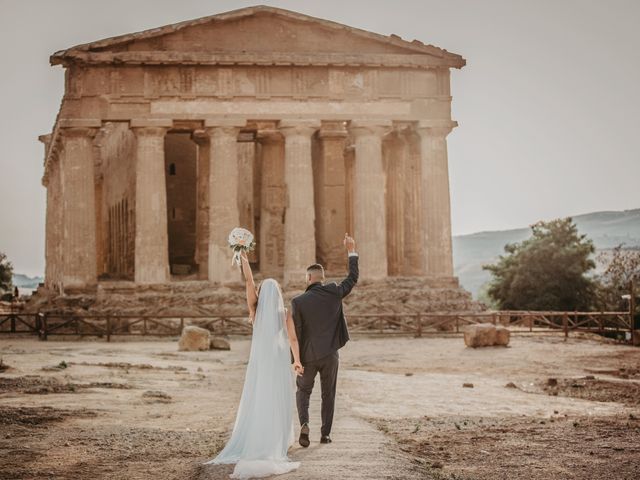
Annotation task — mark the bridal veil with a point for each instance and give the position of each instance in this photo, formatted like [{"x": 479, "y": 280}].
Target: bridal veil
[{"x": 263, "y": 430}]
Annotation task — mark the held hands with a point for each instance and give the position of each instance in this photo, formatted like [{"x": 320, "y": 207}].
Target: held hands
[
  {"x": 349, "y": 243},
  {"x": 297, "y": 366}
]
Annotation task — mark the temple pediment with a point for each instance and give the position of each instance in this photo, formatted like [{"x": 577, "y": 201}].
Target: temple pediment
[{"x": 258, "y": 35}]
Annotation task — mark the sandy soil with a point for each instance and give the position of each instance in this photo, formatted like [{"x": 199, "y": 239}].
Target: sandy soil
[{"x": 541, "y": 408}]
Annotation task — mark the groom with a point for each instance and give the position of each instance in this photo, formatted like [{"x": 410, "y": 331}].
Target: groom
[{"x": 322, "y": 330}]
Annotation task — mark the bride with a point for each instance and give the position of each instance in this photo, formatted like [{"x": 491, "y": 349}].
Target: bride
[{"x": 263, "y": 430}]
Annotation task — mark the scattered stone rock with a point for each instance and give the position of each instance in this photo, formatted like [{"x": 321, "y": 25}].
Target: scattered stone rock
[
  {"x": 467, "y": 385},
  {"x": 56, "y": 368},
  {"x": 3, "y": 366},
  {"x": 552, "y": 382},
  {"x": 194, "y": 339},
  {"x": 156, "y": 396},
  {"x": 486, "y": 335},
  {"x": 408, "y": 374},
  {"x": 220, "y": 343},
  {"x": 480, "y": 335},
  {"x": 511, "y": 385}
]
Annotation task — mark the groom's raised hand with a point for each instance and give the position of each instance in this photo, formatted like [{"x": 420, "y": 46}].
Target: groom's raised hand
[{"x": 349, "y": 243}]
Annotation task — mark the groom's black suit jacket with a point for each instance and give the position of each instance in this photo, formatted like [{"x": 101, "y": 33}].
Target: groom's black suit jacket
[{"x": 318, "y": 317}]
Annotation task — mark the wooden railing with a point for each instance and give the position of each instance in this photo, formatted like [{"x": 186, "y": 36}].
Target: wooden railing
[
  {"x": 517, "y": 321},
  {"x": 416, "y": 324}
]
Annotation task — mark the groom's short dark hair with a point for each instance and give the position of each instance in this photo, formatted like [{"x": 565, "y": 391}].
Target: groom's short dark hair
[{"x": 316, "y": 267}]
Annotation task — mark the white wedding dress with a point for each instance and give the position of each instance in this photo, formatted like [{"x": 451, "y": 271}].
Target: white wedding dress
[{"x": 263, "y": 430}]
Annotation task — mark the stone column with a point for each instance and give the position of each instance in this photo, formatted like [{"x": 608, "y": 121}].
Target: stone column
[
  {"x": 54, "y": 220},
  {"x": 246, "y": 155},
  {"x": 369, "y": 215},
  {"x": 272, "y": 203},
  {"x": 330, "y": 201},
  {"x": 393, "y": 149},
  {"x": 78, "y": 204},
  {"x": 435, "y": 201},
  {"x": 414, "y": 242},
  {"x": 299, "y": 228},
  {"x": 223, "y": 198},
  {"x": 151, "y": 244},
  {"x": 202, "y": 204},
  {"x": 349, "y": 167}
]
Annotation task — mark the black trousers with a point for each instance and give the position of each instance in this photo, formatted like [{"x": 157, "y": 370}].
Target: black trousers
[{"x": 328, "y": 369}]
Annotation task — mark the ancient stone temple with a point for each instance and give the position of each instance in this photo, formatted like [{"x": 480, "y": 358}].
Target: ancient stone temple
[{"x": 297, "y": 128}]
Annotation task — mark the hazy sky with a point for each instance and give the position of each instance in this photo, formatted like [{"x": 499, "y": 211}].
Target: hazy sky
[{"x": 548, "y": 103}]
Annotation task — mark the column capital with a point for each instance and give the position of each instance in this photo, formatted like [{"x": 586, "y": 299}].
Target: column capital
[
  {"x": 298, "y": 127},
  {"x": 79, "y": 132},
  {"x": 370, "y": 127},
  {"x": 222, "y": 131},
  {"x": 435, "y": 129},
  {"x": 268, "y": 135},
  {"x": 149, "y": 131},
  {"x": 200, "y": 136},
  {"x": 333, "y": 130}
]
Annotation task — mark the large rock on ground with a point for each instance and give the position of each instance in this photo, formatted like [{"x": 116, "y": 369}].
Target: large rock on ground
[
  {"x": 480, "y": 335},
  {"x": 220, "y": 343},
  {"x": 194, "y": 339},
  {"x": 502, "y": 335}
]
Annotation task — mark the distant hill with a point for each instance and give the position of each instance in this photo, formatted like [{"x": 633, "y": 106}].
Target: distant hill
[
  {"x": 606, "y": 229},
  {"x": 24, "y": 283}
]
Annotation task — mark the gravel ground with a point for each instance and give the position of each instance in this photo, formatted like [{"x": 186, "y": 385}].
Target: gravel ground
[{"x": 406, "y": 408}]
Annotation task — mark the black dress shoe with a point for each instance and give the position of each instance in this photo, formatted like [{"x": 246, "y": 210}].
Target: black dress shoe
[
  {"x": 325, "y": 439},
  {"x": 304, "y": 436}
]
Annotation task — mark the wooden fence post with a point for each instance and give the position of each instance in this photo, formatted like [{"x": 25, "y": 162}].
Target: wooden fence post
[
  {"x": 565, "y": 325},
  {"x": 419, "y": 328},
  {"x": 632, "y": 311},
  {"x": 45, "y": 326},
  {"x": 600, "y": 323},
  {"x": 108, "y": 328},
  {"x": 38, "y": 323}
]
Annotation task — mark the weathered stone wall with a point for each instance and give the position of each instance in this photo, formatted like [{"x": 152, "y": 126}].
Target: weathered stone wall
[
  {"x": 53, "y": 242},
  {"x": 116, "y": 190},
  {"x": 181, "y": 173},
  {"x": 272, "y": 207}
]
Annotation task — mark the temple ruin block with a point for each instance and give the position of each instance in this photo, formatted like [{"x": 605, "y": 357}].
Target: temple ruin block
[{"x": 297, "y": 128}]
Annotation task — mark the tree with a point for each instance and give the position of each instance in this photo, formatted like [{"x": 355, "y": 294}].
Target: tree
[
  {"x": 6, "y": 273},
  {"x": 622, "y": 265},
  {"x": 484, "y": 297},
  {"x": 547, "y": 271}
]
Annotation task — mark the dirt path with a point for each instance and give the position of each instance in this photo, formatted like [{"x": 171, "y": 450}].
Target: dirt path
[{"x": 358, "y": 451}]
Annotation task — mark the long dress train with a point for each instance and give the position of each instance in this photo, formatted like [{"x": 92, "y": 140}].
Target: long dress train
[{"x": 263, "y": 430}]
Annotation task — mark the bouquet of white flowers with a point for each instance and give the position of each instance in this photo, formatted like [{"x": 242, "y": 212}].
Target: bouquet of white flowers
[{"x": 240, "y": 239}]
